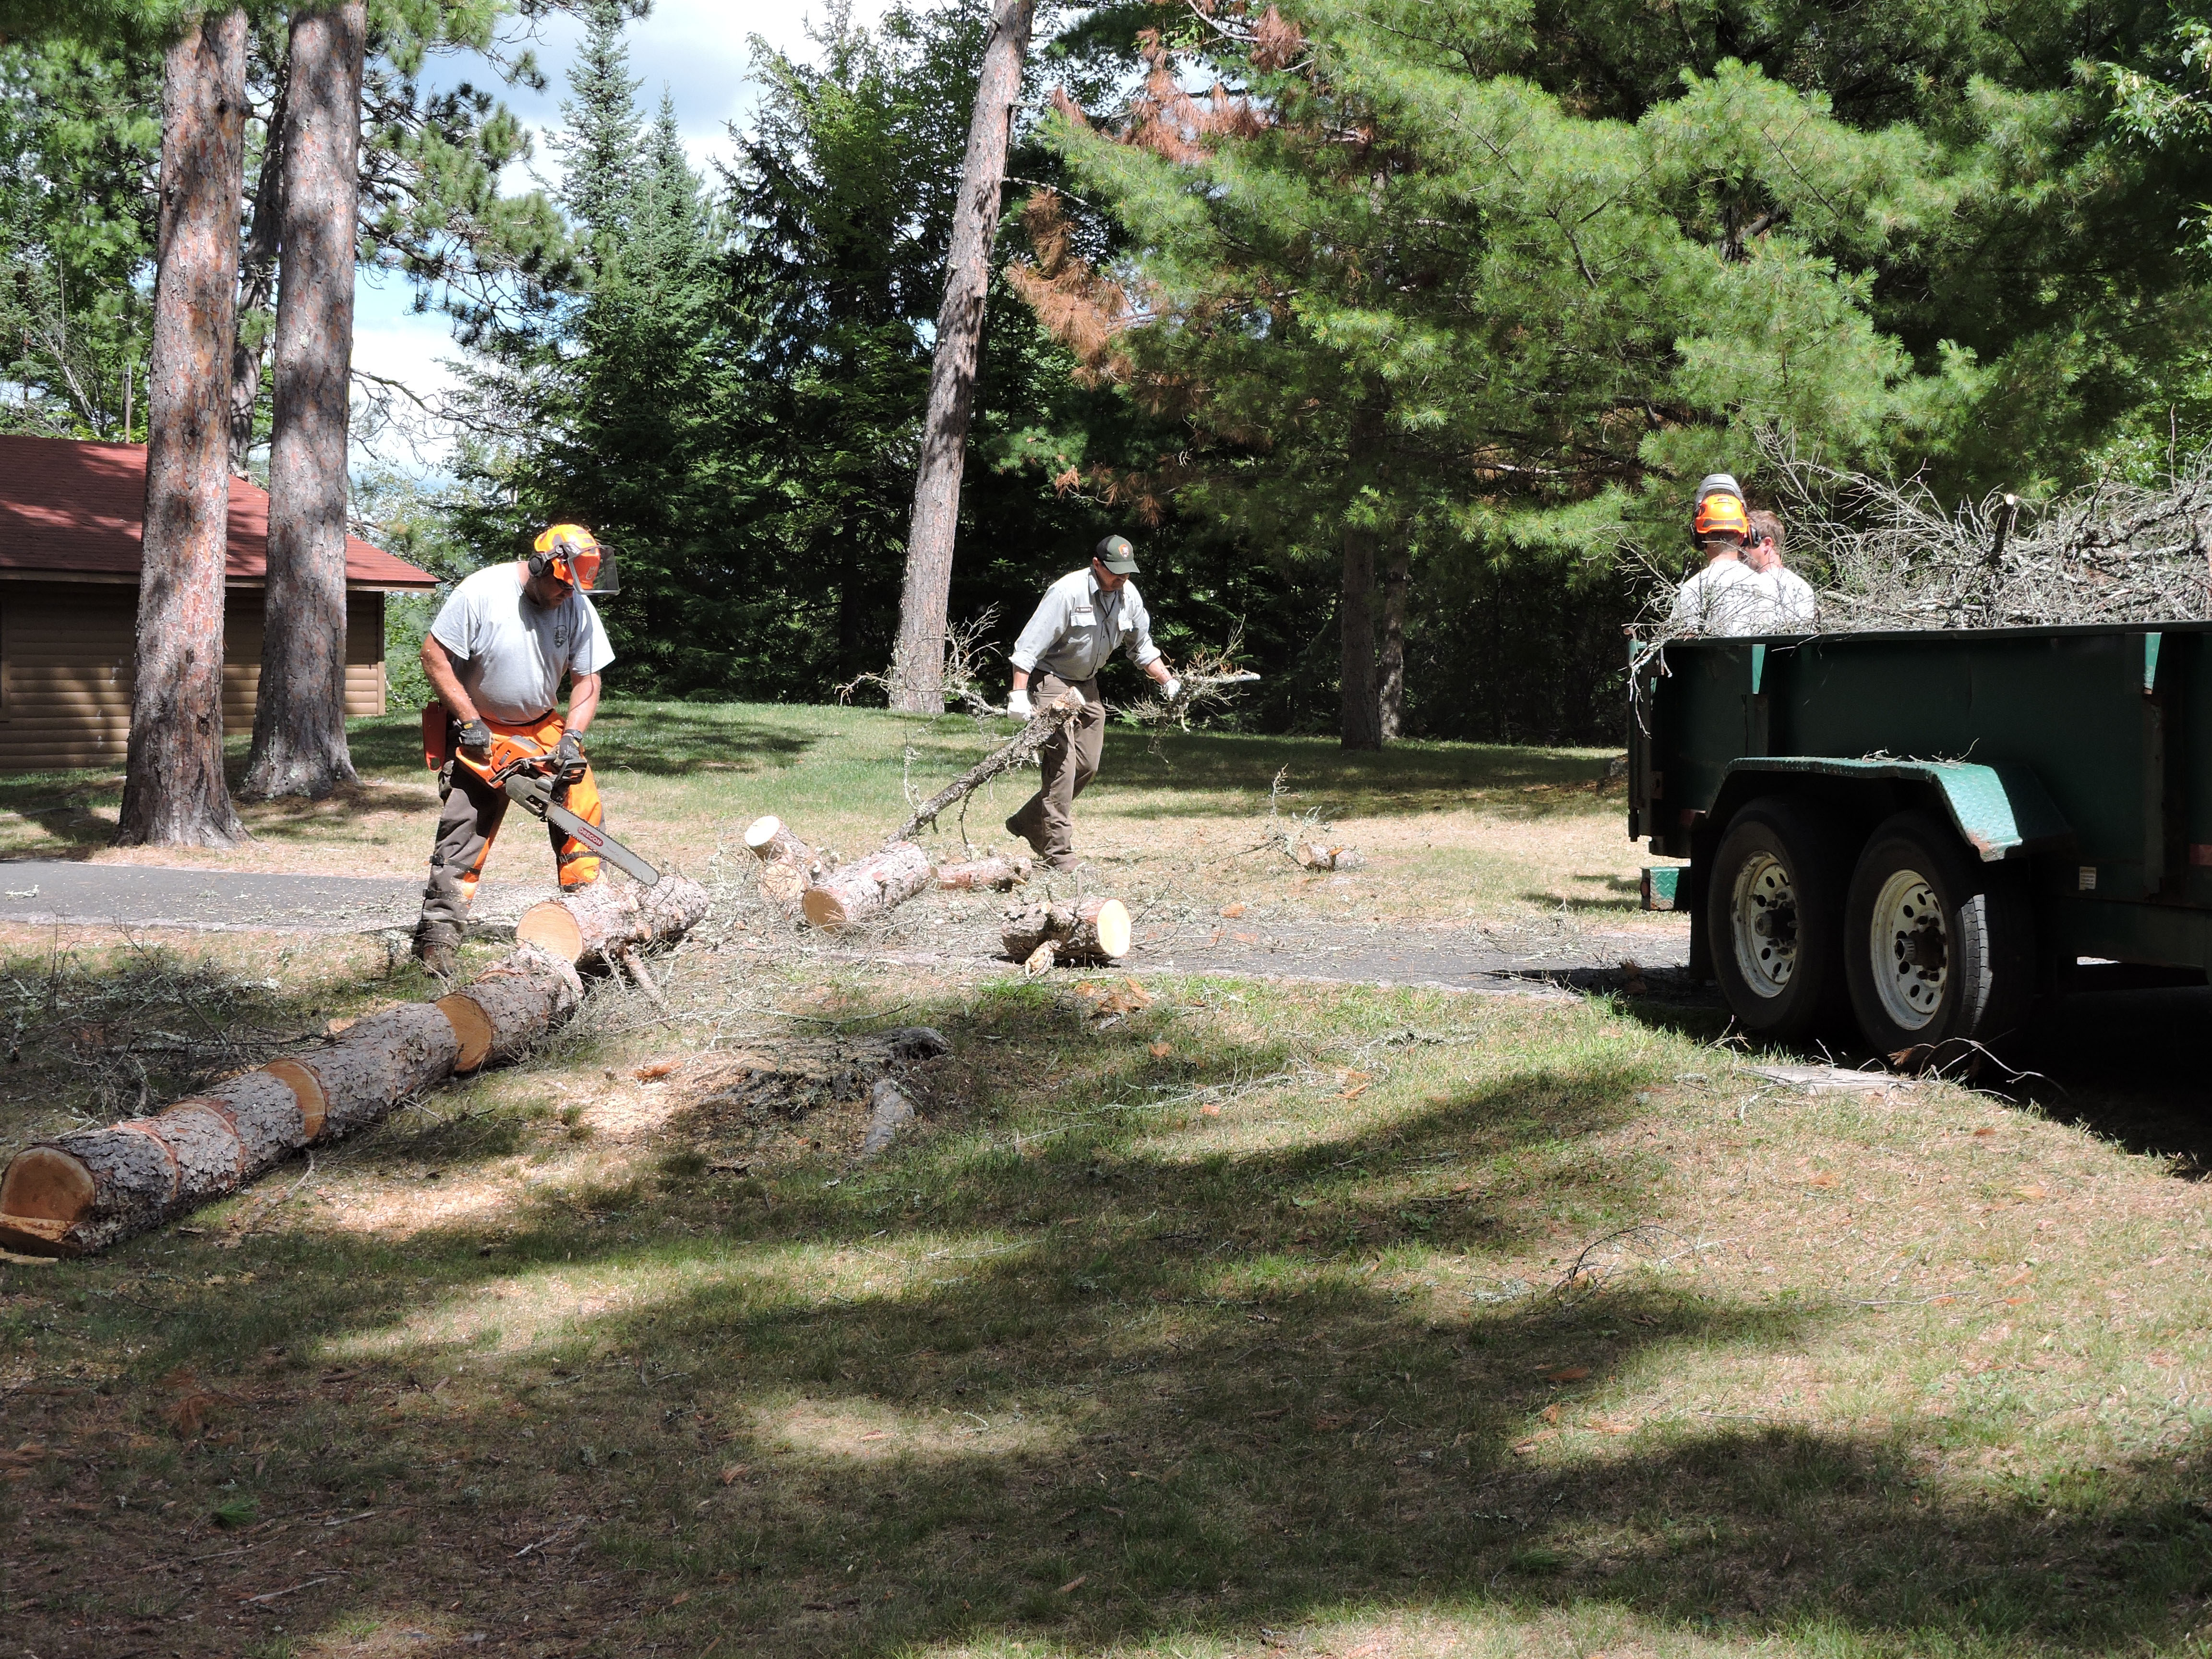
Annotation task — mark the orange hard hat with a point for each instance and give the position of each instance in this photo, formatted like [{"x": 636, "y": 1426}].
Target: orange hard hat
[
  {"x": 1720, "y": 513},
  {"x": 576, "y": 556}
]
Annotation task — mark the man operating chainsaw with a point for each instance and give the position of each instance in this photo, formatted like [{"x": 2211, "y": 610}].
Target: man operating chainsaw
[{"x": 495, "y": 656}]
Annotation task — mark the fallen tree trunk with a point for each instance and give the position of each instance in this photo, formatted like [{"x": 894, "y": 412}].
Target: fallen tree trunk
[
  {"x": 1096, "y": 930},
  {"x": 1042, "y": 725},
  {"x": 83, "y": 1191},
  {"x": 510, "y": 1006},
  {"x": 1000, "y": 873},
  {"x": 594, "y": 927},
  {"x": 868, "y": 889}
]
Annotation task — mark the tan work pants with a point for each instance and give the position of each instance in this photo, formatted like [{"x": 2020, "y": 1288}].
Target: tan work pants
[{"x": 1068, "y": 762}]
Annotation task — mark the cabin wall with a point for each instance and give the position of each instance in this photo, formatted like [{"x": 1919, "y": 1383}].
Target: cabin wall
[{"x": 65, "y": 669}]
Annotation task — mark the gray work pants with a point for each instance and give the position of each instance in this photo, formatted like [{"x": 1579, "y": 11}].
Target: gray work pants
[{"x": 1068, "y": 763}]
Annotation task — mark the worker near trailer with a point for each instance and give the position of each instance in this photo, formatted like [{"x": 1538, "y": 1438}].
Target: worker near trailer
[
  {"x": 1792, "y": 603},
  {"x": 1083, "y": 619},
  {"x": 1726, "y": 596},
  {"x": 502, "y": 644}
]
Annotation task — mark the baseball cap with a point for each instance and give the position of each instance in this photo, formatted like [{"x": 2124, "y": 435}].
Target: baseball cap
[{"x": 1117, "y": 555}]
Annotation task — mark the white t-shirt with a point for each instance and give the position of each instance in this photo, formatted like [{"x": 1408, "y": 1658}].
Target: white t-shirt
[
  {"x": 1794, "y": 602},
  {"x": 514, "y": 653},
  {"x": 1727, "y": 597}
]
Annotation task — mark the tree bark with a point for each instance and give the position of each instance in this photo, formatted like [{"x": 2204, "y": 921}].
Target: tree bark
[
  {"x": 1000, "y": 873},
  {"x": 1390, "y": 672},
  {"x": 868, "y": 889},
  {"x": 1362, "y": 722},
  {"x": 299, "y": 718},
  {"x": 1015, "y": 751},
  {"x": 918, "y": 663},
  {"x": 508, "y": 1006},
  {"x": 596, "y": 925},
  {"x": 257, "y": 281},
  {"x": 1094, "y": 930},
  {"x": 174, "y": 793},
  {"x": 84, "y": 1191}
]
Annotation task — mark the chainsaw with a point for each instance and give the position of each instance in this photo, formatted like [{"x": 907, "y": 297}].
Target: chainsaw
[{"x": 524, "y": 770}]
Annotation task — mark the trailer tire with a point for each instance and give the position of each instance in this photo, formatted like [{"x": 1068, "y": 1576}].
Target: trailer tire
[
  {"x": 1940, "y": 952},
  {"x": 1774, "y": 913}
]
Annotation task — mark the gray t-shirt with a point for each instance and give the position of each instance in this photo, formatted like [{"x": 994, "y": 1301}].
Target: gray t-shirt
[{"x": 515, "y": 651}]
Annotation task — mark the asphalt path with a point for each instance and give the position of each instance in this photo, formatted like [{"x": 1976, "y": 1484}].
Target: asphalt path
[{"x": 43, "y": 892}]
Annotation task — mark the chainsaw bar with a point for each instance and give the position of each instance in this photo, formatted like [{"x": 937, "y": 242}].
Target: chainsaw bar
[{"x": 538, "y": 802}]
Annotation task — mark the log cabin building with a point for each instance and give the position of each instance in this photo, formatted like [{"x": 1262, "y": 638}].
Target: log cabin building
[{"x": 70, "y": 517}]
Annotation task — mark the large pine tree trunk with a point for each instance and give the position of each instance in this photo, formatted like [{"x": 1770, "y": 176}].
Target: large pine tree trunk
[
  {"x": 173, "y": 792},
  {"x": 918, "y": 664},
  {"x": 1363, "y": 719},
  {"x": 1390, "y": 674},
  {"x": 298, "y": 720},
  {"x": 868, "y": 889},
  {"x": 256, "y": 282}
]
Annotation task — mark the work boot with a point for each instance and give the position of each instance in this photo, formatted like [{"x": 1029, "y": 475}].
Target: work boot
[
  {"x": 438, "y": 947},
  {"x": 1014, "y": 828}
]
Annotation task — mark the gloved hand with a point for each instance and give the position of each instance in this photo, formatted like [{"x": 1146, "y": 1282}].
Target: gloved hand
[
  {"x": 1018, "y": 702},
  {"x": 1171, "y": 689},
  {"x": 568, "y": 759},
  {"x": 475, "y": 739}
]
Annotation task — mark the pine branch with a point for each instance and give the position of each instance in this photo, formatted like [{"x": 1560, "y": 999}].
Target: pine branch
[{"x": 1043, "y": 727}]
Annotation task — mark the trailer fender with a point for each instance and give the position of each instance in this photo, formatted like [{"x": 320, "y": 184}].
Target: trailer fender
[{"x": 2000, "y": 812}]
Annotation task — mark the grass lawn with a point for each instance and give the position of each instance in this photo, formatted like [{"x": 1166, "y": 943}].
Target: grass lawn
[
  {"x": 1449, "y": 831},
  {"x": 1204, "y": 1318}
]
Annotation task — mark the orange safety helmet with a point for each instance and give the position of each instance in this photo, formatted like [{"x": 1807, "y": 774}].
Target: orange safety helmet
[
  {"x": 1720, "y": 512},
  {"x": 576, "y": 556}
]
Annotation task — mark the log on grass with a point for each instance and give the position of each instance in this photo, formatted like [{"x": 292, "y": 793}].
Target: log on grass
[
  {"x": 868, "y": 889},
  {"x": 1043, "y": 726},
  {"x": 596, "y": 926},
  {"x": 1094, "y": 930},
  {"x": 83, "y": 1191},
  {"x": 1000, "y": 873},
  {"x": 509, "y": 1007}
]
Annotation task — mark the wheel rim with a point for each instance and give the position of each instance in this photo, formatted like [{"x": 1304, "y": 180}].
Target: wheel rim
[
  {"x": 1765, "y": 913},
  {"x": 1911, "y": 939}
]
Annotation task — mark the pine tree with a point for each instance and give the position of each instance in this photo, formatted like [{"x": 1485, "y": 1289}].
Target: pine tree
[
  {"x": 598, "y": 141},
  {"x": 1404, "y": 300}
]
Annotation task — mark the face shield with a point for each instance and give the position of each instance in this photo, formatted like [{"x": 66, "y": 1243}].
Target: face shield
[{"x": 590, "y": 567}]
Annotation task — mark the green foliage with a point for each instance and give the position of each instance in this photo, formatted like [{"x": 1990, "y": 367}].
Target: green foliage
[{"x": 80, "y": 141}]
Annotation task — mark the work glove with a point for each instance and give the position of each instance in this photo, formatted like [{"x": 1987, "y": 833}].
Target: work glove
[
  {"x": 568, "y": 758},
  {"x": 1171, "y": 689},
  {"x": 475, "y": 740},
  {"x": 1018, "y": 702}
]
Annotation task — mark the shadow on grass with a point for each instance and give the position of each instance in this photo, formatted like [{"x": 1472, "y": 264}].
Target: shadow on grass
[{"x": 1093, "y": 1389}]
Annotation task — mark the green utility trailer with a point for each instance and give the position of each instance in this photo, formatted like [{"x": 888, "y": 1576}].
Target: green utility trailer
[{"x": 1919, "y": 833}]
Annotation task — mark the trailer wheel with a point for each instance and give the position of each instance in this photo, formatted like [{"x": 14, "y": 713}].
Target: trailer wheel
[
  {"x": 1774, "y": 913},
  {"x": 1941, "y": 947}
]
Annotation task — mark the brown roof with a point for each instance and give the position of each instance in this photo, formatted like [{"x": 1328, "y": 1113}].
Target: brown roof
[{"x": 77, "y": 509}]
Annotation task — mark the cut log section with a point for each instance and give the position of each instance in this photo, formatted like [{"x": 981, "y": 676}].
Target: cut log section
[
  {"x": 592, "y": 926},
  {"x": 788, "y": 866},
  {"x": 84, "y": 1191},
  {"x": 1000, "y": 873},
  {"x": 498, "y": 1015},
  {"x": 868, "y": 889},
  {"x": 1093, "y": 930}
]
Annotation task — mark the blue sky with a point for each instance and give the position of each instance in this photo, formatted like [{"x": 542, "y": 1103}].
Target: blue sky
[{"x": 697, "y": 49}]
